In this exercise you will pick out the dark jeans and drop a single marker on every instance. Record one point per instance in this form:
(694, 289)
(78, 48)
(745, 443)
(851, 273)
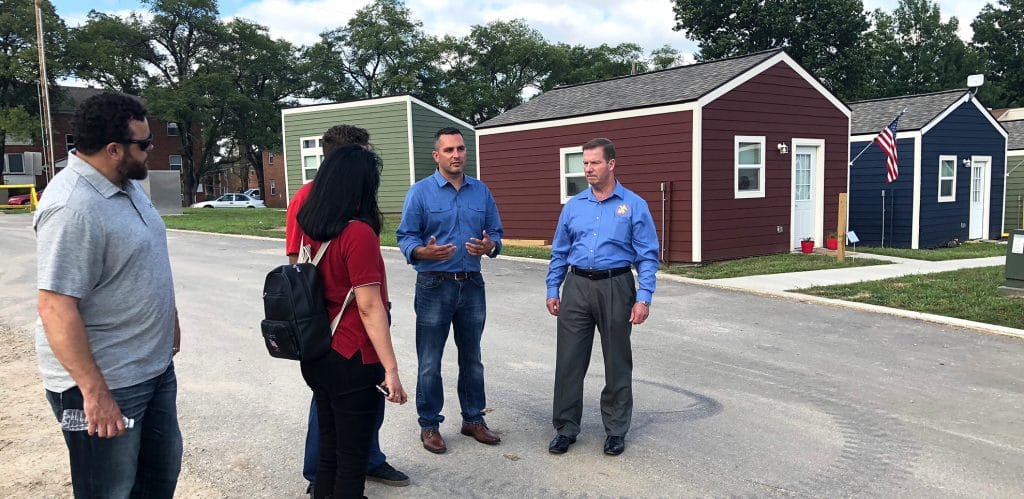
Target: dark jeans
(348, 407)
(312, 455)
(145, 461)
(444, 304)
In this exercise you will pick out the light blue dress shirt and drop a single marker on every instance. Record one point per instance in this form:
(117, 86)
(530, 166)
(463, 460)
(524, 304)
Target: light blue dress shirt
(601, 235)
(434, 208)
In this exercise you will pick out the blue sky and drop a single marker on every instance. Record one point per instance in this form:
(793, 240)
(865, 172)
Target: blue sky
(589, 22)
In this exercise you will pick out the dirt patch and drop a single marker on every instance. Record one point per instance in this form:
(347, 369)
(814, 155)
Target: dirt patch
(33, 458)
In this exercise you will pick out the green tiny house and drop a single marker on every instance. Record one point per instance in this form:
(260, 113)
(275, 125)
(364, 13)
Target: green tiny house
(1014, 217)
(401, 131)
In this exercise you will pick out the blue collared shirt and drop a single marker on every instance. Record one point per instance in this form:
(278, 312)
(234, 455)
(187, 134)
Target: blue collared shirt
(614, 233)
(434, 208)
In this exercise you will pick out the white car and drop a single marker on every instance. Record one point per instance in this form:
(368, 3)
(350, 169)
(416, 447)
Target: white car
(254, 193)
(233, 200)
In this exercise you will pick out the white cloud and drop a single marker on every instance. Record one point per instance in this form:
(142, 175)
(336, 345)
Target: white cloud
(297, 21)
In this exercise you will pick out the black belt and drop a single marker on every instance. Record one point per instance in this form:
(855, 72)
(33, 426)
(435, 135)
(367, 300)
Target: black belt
(455, 276)
(597, 275)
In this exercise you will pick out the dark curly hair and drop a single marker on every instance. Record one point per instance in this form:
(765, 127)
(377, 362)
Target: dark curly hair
(103, 118)
(343, 135)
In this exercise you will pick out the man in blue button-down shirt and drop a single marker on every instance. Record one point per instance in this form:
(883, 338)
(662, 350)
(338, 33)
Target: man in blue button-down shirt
(602, 232)
(449, 221)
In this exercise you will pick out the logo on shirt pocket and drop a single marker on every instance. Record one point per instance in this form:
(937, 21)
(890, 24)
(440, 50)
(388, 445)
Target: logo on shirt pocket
(622, 210)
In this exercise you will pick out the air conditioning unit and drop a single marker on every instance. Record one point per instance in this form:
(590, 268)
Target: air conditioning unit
(33, 162)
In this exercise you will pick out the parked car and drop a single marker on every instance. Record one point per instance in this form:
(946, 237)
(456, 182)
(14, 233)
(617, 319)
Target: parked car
(23, 199)
(231, 200)
(254, 193)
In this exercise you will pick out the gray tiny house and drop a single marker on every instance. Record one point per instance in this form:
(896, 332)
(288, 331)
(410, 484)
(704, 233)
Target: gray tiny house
(1014, 175)
(401, 131)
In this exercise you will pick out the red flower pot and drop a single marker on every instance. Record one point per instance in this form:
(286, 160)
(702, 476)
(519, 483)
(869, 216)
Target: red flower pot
(832, 243)
(807, 246)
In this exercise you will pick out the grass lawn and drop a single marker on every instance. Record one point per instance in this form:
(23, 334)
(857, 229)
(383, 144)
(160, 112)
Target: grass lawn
(270, 222)
(966, 250)
(966, 294)
(770, 264)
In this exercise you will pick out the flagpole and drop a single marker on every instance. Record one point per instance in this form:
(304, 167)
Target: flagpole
(883, 218)
(872, 142)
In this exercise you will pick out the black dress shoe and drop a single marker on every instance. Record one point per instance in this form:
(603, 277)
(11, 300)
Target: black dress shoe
(613, 446)
(560, 444)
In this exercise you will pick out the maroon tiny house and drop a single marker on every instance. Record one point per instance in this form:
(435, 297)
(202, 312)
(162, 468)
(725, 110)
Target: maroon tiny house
(772, 145)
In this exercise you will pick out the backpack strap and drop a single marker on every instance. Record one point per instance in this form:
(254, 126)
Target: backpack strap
(349, 298)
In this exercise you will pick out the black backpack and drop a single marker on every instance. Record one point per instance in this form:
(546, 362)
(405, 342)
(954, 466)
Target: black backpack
(296, 325)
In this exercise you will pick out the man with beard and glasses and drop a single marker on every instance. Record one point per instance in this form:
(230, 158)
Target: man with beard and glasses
(108, 324)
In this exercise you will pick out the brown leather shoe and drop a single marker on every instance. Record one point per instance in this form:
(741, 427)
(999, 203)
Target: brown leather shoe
(433, 441)
(481, 433)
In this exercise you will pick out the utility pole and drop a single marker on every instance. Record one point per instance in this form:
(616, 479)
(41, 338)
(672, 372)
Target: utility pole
(48, 156)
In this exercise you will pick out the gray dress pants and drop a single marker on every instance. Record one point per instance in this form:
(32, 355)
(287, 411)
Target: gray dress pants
(586, 304)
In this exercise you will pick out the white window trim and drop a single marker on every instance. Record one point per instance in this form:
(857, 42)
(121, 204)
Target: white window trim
(69, 144)
(938, 188)
(177, 129)
(7, 166)
(273, 188)
(561, 170)
(304, 152)
(170, 164)
(736, 167)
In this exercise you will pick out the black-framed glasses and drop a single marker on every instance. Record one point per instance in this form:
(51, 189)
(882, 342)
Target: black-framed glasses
(143, 144)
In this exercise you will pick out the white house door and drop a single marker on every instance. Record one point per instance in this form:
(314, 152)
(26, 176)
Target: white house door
(979, 169)
(804, 160)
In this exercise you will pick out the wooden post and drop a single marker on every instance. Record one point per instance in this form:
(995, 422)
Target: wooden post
(841, 228)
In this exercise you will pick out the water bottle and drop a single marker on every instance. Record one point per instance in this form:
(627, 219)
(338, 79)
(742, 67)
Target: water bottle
(74, 420)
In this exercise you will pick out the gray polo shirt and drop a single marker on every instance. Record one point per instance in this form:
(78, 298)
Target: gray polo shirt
(108, 248)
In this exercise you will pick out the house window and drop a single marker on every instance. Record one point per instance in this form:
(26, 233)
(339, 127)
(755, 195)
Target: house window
(172, 129)
(947, 179)
(312, 154)
(273, 188)
(271, 158)
(174, 161)
(69, 141)
(573, 179)
(749, 158)
(14, 163)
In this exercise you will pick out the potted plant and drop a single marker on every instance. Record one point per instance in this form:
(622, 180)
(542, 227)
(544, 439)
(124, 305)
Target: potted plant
(832, 241)
(807, 245)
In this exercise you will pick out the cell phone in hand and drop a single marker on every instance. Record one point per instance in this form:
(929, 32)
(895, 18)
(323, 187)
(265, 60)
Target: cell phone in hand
(383, 389)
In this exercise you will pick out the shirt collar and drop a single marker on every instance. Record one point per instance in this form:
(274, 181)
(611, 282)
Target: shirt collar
(93, 176)
(441, 181)
(619, 191)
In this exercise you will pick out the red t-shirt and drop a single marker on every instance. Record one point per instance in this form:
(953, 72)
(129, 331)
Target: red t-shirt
(292, 233)
(352, 260)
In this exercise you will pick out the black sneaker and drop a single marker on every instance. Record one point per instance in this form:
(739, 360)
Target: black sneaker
(388, 475)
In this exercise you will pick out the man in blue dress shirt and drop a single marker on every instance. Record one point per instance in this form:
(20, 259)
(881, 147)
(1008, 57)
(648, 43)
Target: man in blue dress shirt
(601, 233)
(449, 221)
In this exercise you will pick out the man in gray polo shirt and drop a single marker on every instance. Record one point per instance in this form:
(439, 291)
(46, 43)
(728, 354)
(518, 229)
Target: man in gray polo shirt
(108, 323)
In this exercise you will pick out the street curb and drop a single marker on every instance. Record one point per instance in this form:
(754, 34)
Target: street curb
(866, 307)
(787, 295)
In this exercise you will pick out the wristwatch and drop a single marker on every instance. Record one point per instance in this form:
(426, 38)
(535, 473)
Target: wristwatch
(646, 303)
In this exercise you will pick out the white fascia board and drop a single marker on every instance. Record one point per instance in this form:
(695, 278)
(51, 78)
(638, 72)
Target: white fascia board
(915, 223)
(696, 197)
(442, 113)
(479, 168)
(284, 159)
(967, 97)
(345, 105)
(578, 120)
(412, 151)
(762, 67)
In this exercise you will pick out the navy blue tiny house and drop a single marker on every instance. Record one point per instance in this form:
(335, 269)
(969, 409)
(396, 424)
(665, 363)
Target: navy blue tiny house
(952, 158)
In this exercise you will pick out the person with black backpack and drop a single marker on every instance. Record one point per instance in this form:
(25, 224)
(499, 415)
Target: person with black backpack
(349, 380)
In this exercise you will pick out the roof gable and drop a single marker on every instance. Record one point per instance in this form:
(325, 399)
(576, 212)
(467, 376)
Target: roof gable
(668, 86)
(872, 115)
(1015, 134)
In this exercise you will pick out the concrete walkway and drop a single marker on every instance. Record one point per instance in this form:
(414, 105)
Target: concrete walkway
(781, 285)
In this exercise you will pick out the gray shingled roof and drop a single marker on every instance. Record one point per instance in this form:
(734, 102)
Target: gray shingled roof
(871, 116)
(72, 97)
(1015, 131)
(669, 86)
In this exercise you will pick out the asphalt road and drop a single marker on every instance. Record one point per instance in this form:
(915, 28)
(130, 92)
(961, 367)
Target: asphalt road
(736, 394)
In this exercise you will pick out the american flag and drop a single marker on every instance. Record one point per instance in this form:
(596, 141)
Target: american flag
(887, 141)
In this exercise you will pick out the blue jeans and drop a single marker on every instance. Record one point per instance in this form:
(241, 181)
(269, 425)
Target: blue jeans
(444, 304)
(312, 456)
(145, 461)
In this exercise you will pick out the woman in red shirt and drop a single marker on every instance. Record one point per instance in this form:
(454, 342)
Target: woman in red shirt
(348, 381)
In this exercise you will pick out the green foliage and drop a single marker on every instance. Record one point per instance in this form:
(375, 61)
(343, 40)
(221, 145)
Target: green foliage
(914, 52)
(665, 57)
(966, 294)
(999, 36)
(968, 250)
(111, 51)
(823, 35)
(770, 264)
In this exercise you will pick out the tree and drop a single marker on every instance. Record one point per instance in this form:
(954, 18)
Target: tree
(665, 57)
(579, 64)
(19, 66)
(915, 52)
(111, 51)
(999, 35)
(825, 36)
